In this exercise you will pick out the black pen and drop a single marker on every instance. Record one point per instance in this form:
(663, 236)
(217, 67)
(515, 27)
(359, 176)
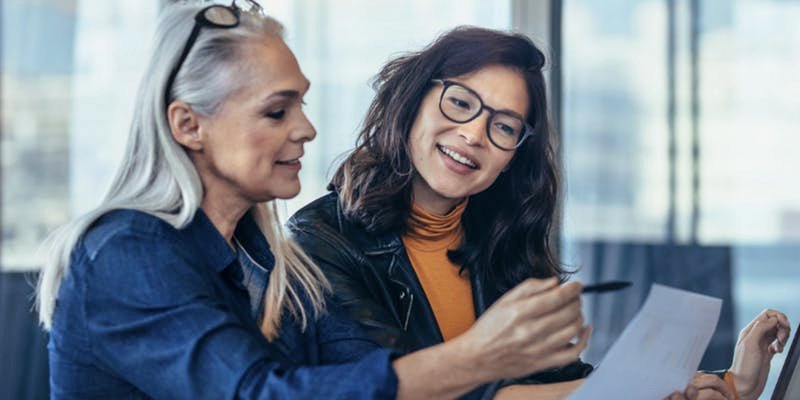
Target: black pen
(605, 287)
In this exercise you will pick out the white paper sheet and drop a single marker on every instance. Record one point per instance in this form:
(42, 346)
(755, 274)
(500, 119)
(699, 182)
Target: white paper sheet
(660, 349)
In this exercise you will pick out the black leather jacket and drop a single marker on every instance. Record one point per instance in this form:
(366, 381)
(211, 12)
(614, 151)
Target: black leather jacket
(374, 281)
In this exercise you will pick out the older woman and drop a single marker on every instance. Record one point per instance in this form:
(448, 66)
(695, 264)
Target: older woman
(181, 284)
(448, 202)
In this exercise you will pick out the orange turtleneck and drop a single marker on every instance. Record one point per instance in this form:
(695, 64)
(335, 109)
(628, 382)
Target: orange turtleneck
(448, 292)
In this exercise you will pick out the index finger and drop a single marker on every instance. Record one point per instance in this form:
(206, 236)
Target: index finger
(552, 300)
(528, 288)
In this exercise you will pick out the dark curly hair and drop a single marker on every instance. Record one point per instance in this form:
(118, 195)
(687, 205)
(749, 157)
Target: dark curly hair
(507, 227)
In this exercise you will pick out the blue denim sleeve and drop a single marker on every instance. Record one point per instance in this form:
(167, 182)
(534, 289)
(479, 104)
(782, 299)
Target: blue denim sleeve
(155, 319)
(341, 339)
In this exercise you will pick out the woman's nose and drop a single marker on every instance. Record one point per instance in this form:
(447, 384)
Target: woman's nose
(305, 131)
(474, 132)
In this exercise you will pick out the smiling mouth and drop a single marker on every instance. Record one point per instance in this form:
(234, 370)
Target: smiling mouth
(456, 157)
(288, 162)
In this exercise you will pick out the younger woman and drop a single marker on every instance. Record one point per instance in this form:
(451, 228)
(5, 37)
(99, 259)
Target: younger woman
(449, 201)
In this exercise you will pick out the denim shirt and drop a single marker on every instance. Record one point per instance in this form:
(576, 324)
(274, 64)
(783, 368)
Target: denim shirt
(147, 310)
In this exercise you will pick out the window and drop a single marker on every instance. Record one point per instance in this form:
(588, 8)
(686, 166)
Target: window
(68, 74)
(716, 82)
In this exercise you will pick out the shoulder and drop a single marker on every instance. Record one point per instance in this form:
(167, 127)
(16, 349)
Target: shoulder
(124, 243)
(322, 212)
(327, 237)
(322, 222)
(317, 227)
(139, 256)
(118, 225)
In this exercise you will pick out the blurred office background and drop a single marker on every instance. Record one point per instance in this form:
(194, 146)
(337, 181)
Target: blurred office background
(678, 120)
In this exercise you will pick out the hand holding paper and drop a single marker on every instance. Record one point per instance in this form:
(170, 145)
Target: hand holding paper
(659, 351)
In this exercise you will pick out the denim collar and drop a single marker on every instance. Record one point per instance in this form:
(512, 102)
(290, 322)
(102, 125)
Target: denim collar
(215, 249)
(250, 236)
(209, 241)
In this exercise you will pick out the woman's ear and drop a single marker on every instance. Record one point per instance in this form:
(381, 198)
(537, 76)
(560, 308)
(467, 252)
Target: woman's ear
(184, 125)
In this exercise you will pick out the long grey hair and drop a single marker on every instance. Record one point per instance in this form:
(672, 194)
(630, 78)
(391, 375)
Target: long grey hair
(157, 177)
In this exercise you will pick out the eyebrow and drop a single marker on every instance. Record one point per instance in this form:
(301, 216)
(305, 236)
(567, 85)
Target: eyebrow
(502, 110)
(281, 94)
(512, 113)
(286, 94)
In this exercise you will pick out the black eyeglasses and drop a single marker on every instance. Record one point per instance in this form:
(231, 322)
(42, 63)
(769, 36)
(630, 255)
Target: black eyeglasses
(215, 16)
(461, 104)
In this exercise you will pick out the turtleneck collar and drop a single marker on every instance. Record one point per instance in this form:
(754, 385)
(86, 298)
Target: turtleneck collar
(429, 231)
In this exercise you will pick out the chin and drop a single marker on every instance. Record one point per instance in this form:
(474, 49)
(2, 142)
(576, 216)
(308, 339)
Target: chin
(287, 192)
(284, 191)
(450, 191)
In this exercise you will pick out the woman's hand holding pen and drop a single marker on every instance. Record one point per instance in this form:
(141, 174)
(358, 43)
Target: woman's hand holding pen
(531, 328)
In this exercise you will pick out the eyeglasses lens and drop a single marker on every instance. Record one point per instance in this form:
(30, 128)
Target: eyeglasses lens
(460, 104)
(505, 130)
(221, 16)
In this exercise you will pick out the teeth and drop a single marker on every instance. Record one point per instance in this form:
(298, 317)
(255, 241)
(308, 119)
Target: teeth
(295, 161)
(457, 157)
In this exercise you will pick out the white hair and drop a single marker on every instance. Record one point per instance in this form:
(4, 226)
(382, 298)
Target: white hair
(156, 175)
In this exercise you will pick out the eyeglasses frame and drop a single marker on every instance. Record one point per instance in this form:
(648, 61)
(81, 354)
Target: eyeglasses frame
(528, 130)
(201, 21)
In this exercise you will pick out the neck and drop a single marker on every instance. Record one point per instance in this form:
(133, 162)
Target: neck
(425, 197)
(225, 213)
